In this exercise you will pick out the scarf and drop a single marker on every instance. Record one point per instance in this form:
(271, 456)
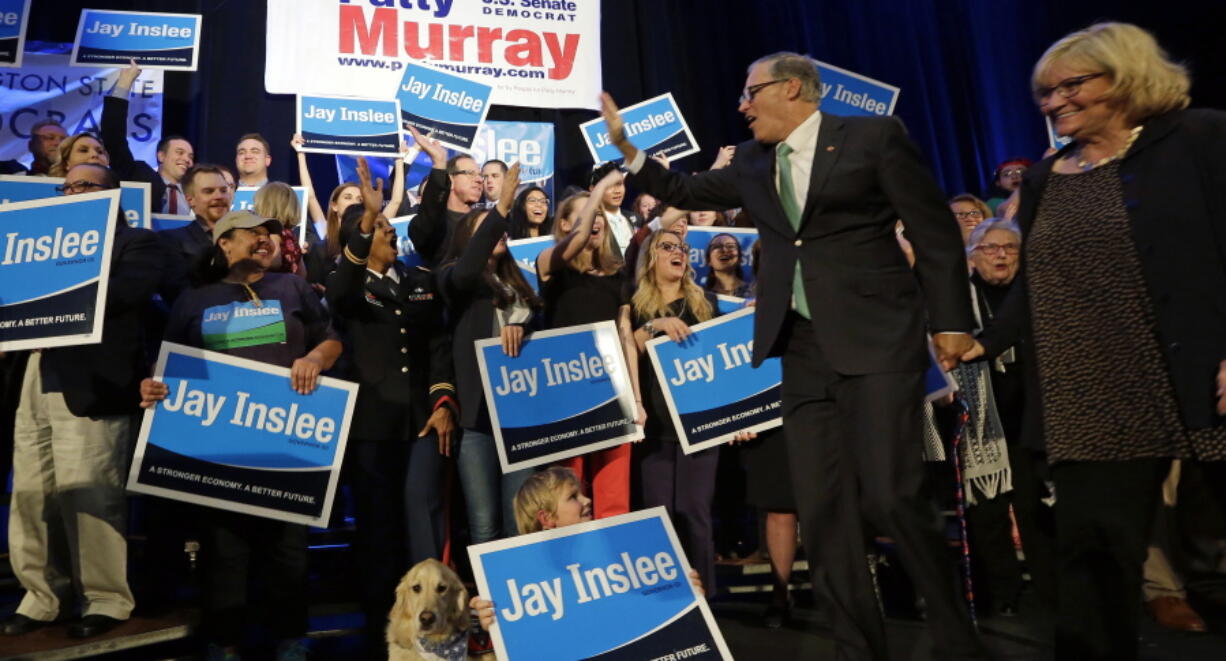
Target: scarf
(451, 649)
(985, 457)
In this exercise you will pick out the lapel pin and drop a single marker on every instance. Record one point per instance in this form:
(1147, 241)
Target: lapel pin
(830, 148)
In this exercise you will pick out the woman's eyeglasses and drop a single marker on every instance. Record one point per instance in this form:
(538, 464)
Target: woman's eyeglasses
(670, 247)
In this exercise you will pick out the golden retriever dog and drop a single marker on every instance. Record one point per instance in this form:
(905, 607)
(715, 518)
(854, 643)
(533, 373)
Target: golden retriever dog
(430, 620)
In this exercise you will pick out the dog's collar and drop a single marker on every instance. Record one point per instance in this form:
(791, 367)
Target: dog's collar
(452, 649)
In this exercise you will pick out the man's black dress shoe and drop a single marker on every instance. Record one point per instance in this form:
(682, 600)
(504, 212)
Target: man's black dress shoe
(93, 625)
(19, 624)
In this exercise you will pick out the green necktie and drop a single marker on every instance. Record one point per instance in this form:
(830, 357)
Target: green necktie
(787, 195)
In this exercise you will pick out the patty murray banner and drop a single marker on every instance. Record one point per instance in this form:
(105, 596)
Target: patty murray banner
(535, 53)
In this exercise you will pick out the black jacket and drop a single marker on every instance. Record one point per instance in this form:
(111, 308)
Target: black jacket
(401, 350)
(868, 306)
(123, 163)
(1174, 183)
(104, 379)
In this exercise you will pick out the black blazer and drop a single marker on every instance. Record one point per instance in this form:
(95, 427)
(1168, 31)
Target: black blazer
(123, 163)
(470, 307)
(1174, 184)
(401, 348)
(104, 379)
(868, 307)
(428, 231)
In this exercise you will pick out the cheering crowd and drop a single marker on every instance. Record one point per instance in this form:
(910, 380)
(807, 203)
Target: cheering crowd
(1081, 310)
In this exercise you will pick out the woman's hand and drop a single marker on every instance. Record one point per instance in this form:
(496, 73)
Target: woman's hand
(372, 197)
(510, 181)
(743, 437)
(696, 581)
(304, 374)
(438, 154)
(512, 339)
(678, 331)
(640, 415)
(127, 76)
(485, 611)
(977, 351)
(723, 158)
(661, 158)
(441, 423)
(152, 391)
(297, 142)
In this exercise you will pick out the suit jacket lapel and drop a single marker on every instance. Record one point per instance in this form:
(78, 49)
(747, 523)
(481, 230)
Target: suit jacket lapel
(829, 146)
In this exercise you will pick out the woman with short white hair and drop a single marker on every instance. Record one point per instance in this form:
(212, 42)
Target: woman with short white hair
(1123, 283)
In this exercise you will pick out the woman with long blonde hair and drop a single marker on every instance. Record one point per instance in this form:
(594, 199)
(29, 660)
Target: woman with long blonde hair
(78, 149)
(667, 301)
(583, 283)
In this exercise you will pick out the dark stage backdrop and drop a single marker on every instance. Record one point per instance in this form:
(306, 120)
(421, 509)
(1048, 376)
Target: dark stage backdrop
(963, 66)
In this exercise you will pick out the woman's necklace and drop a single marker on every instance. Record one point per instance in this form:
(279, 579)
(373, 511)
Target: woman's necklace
(1085, 165)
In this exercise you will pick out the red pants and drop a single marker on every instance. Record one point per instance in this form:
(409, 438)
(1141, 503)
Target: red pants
(608, 471)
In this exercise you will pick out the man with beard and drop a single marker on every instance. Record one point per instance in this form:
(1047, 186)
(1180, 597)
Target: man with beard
(210, 198)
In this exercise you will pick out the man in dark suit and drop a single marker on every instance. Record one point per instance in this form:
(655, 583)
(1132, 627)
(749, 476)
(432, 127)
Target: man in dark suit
(837, 300)
(75, 421)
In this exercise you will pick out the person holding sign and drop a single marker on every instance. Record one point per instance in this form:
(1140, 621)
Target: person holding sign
(70, 444)
(486, 296)
(667, 301)
(243, 310)
(839, 304)
(405, 414)
(174, 152)
(324, 225)
(581, 278)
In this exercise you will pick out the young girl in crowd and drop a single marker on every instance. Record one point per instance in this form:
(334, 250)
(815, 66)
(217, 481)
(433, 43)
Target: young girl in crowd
(667, 301)
(234, 275)
(582, 281)
(278, 201)
(486, 296)
(530, 216)
(724, 258)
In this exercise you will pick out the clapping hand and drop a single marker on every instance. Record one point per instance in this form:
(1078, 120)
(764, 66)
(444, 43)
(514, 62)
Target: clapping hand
(510, 182)
(438, 154)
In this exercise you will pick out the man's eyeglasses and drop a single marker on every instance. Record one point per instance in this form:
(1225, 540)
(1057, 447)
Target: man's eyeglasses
(72, 188)
(998, 248)
(670, 247)
(1067, 88)
(962, 215)
(750, 92)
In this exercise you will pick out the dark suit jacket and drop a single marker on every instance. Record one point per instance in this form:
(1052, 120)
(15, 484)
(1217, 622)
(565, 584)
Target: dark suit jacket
(429, 231)
(401, 347)
(123, 163)
(1174, 184)
(104, 379)
(868, 307)
(12, 167)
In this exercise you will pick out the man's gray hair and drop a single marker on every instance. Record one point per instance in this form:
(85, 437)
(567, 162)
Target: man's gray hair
(785, 64)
